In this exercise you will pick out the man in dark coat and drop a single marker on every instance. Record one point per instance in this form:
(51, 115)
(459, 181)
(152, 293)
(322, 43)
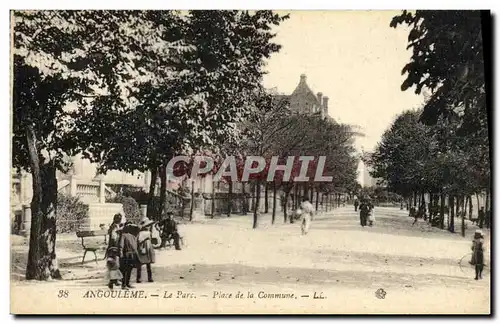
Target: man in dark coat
(356, 204)
(169, 231)
(364, 210)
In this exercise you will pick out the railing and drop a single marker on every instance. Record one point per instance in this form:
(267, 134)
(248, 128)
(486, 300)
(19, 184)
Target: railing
(88, 192)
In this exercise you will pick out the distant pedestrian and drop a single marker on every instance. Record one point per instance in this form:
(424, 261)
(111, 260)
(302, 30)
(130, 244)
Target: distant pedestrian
(356, 204)
(478, 254)
(307, 215)
(364, 211)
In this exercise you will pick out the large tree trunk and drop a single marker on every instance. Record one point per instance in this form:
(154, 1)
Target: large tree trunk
(213, 199)
(192, 202)
(431, 207)
(317, 199)
(470, 207)
(441, 211)
(306, 190)
(252, 186)
(266, 201)
(245, 200)
(451, 216)
(230, 198)
(478, 207)
(42, 261)
(275, 189)
(151, 194)
(285, 204)
(487, 202)
(256, 207)
(163, 190)
(422, 203)
(463, 216)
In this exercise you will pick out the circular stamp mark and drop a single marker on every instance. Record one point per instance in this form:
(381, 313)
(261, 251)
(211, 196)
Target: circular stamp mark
(380, 293)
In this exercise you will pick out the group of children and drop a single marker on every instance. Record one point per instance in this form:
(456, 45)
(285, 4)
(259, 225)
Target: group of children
(129, 247)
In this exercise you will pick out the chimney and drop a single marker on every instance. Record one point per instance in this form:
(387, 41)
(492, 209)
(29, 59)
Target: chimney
(320, 96)
(325, 106)
(303, 78)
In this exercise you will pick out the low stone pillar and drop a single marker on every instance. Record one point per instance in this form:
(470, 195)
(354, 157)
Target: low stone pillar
(144, 210)
(73, 186)
(199, 207)
(102, 191)
(26, 227)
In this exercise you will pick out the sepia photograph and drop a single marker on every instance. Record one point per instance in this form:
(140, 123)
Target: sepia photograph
(310, 162)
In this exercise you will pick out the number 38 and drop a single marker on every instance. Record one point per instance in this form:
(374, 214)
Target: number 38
(63, 294)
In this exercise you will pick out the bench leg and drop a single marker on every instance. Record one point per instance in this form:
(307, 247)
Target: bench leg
(95, 257)
(84, 254)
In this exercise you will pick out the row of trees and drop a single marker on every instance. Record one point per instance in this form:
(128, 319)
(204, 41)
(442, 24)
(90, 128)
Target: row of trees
(129, 90)
(443, 148)
(272, 130)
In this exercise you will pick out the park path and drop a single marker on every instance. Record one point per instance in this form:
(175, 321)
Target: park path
(417, 266)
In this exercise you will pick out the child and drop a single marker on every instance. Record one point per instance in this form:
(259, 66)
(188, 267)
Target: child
(478, 253)
(145, 248)
(114, 274)
(128, 252)
(371, 217)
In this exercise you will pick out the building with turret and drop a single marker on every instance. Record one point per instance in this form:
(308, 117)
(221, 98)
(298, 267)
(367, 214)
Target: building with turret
(304, 101)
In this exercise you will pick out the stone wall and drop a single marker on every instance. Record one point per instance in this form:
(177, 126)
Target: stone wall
(100, 214)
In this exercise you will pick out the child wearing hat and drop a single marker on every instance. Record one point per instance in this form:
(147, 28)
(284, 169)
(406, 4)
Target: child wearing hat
(112, 263)
(145, 249)
(128, 252)
(478, 253)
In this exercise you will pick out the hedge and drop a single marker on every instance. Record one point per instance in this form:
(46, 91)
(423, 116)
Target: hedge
(71, 213)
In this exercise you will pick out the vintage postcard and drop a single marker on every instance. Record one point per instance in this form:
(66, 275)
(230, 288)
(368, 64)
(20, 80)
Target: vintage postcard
(250, 162)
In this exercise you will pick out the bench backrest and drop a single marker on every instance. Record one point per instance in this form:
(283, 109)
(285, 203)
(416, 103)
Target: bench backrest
(90, 233)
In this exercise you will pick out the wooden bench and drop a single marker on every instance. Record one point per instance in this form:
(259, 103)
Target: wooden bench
(170, 241)
(93, 248)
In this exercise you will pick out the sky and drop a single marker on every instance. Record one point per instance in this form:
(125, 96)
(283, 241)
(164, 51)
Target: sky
(354, 58)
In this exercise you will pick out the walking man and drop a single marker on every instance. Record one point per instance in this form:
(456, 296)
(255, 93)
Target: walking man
(307, 214)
